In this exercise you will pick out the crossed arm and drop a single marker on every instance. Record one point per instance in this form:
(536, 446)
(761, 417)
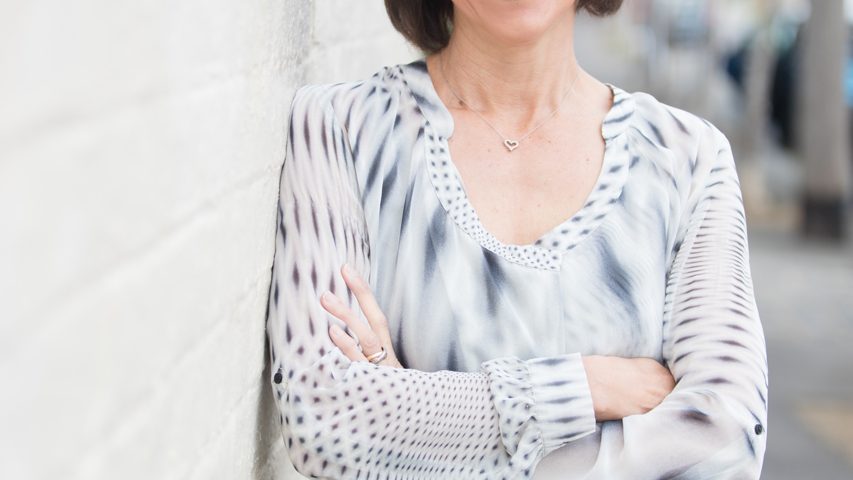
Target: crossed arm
(342, 417)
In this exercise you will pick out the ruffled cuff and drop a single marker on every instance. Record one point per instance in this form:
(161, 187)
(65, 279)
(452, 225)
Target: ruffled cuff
(563, 402)
(541, 401)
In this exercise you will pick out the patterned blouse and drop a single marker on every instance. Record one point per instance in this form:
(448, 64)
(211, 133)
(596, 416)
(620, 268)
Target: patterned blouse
(655, 264)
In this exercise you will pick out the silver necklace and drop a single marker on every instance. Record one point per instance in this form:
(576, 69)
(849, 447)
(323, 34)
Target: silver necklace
(509, 143)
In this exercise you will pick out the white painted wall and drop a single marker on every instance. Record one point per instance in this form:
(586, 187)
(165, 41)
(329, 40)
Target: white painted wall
(140, 148)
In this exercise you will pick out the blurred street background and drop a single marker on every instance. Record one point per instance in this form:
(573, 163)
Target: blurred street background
(777, 77)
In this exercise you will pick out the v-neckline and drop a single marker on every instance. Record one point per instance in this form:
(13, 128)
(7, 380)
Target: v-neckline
(545, 252)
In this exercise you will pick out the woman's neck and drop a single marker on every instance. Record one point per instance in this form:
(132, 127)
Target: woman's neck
(527, 80)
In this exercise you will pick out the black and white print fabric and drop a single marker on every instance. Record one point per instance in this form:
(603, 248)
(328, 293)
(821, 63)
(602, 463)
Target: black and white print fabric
(655, 264)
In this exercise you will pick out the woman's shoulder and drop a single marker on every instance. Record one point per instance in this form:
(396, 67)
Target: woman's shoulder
(376, 88)
(671, 127)
(685, 147)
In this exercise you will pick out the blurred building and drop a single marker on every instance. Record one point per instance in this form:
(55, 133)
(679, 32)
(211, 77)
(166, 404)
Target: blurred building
(742, 65)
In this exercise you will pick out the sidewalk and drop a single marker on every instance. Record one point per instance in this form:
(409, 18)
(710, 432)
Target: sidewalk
(804, 290)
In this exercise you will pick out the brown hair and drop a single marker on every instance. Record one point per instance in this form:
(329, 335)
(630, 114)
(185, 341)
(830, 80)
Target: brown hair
(427, 23)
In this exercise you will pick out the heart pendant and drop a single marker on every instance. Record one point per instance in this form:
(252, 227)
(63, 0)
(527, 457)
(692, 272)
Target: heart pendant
(511, 144)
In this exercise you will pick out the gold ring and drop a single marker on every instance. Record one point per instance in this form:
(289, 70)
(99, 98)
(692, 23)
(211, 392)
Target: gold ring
(378, 356)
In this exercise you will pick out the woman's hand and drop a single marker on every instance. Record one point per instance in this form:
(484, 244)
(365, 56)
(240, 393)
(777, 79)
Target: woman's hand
(626, 386)
(370, 337)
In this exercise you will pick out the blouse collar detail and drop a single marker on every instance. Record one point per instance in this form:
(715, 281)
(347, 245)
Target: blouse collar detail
(547, 251)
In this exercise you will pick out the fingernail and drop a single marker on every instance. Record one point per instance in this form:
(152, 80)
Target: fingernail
(353, 275)
(327, 296)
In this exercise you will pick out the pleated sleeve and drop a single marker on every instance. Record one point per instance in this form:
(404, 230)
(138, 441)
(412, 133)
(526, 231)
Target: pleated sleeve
(714, 423)
(342, 419)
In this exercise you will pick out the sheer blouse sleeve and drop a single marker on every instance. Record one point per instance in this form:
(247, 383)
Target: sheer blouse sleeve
(713, 423)
(342, 419)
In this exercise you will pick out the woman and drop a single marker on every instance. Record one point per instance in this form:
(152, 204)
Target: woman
(581, 308)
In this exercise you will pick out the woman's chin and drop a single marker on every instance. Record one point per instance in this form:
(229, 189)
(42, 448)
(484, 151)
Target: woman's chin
(518, 22)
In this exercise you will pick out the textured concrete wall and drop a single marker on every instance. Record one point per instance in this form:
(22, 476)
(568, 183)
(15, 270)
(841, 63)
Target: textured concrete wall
(140, 148)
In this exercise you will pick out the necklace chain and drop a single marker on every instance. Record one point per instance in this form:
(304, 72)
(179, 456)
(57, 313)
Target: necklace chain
(509, 143)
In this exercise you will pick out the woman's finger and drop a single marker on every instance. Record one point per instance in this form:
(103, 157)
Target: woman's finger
(367, 338)
(346, 343)
(375, 317)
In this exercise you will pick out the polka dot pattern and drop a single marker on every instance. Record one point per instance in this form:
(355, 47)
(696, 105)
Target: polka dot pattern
(546, 252)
